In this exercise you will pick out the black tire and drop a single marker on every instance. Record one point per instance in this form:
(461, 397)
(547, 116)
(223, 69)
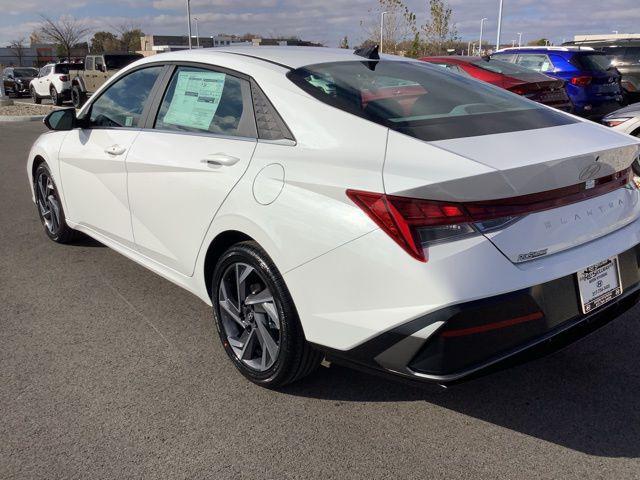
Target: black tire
(78, 97)
(296, 358)
(56, 98)
(57, 230)
(34, 96)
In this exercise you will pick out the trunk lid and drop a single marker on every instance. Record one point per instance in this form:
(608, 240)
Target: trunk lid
(501, 166)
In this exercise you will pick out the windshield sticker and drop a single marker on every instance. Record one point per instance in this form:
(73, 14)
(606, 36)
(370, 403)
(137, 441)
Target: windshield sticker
(195, 99)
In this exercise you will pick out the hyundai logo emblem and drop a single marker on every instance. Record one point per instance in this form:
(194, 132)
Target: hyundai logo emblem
(590, 171)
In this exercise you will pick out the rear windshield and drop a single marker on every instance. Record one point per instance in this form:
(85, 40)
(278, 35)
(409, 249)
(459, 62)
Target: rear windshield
(421, 100)
(25, 72)
(598, 62)
(624, 54)
(115, 62)
(62, 68)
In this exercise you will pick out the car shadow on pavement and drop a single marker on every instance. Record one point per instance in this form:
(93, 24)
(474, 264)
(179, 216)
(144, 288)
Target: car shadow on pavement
(586, 397)
(83, 240)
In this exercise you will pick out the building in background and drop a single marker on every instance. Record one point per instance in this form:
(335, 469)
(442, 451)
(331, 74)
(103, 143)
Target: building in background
(606, 36)
(152, 44)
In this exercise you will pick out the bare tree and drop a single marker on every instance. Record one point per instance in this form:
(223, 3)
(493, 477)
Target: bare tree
(399, 24)
(65, 32)
(17, 49)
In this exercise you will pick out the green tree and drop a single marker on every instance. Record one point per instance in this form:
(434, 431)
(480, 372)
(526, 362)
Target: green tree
(130, 39)
(540, 42)
(104, 42)
(439, 30)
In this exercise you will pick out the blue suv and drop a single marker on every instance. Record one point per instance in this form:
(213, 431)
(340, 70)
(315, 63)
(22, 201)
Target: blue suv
(592, 83)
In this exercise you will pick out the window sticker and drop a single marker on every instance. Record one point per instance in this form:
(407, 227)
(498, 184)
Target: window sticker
(195, 99)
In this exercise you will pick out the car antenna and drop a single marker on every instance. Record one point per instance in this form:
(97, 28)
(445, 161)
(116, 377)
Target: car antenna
(371, 53)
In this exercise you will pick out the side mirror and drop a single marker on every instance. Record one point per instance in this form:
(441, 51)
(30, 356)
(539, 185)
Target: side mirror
(9, 76)
(64, 119)
(103, 68)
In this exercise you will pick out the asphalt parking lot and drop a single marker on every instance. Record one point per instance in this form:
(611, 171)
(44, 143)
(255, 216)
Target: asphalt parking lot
(109, 371)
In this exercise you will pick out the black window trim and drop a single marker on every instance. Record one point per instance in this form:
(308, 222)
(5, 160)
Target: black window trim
(150, 112)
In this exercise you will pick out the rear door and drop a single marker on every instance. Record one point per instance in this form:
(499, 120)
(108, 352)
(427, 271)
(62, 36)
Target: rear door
(92, 159)
(182, 167)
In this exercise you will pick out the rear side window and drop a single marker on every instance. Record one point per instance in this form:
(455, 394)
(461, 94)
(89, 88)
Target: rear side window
(537, 62)
(122, 103)
(421, 100)
(597, 62)
(88, 63)
(201, 100)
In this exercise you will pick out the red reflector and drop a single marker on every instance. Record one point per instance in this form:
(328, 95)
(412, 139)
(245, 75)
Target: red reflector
(581, 81)
(63, 78)
(462, 332)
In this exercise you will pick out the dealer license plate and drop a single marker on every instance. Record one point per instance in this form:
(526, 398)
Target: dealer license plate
(599, 284)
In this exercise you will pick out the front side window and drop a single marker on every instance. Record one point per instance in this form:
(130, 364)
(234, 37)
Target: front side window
(423, 101)
(122, 103)
(89, 63)
(99, 63)
(200, 100)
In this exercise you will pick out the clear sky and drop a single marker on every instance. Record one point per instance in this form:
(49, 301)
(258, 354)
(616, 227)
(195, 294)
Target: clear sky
(325, 20)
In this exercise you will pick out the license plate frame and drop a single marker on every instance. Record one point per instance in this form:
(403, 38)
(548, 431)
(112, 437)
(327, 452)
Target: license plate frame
(599, 284)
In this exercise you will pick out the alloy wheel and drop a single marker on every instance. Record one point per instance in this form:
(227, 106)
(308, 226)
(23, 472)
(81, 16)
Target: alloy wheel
(249, 316)
(48, 202)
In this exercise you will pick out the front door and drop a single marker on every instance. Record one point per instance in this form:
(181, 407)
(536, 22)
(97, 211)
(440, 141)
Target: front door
(92, 159)
(181, 170)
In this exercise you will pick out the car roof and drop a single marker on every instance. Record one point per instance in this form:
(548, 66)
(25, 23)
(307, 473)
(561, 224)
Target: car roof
(283, 56)
(566, 50)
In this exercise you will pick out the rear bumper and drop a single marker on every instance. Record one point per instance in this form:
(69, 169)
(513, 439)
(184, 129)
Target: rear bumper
(533, 322)
(597, 109)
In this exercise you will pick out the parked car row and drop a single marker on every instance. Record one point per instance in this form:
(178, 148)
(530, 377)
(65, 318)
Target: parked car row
(65, 81)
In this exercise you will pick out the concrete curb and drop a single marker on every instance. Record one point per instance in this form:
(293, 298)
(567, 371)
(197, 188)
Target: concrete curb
(21, 118)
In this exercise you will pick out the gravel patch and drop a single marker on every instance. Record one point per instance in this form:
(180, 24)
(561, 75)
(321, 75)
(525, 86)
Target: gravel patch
(22, 109)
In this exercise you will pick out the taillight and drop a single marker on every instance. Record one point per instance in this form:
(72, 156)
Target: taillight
(63, 78)
(581, 81)
(416, 224)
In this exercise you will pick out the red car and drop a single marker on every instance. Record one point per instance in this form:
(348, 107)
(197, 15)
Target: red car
(523, 81)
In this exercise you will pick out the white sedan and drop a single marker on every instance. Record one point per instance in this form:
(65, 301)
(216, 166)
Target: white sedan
(333, 204)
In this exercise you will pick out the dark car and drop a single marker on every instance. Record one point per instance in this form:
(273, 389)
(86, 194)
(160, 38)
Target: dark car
(625, 56)
(592, 83)
(16, 80)
(523, 81)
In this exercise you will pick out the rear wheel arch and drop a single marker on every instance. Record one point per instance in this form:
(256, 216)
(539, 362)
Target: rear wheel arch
(220, 244)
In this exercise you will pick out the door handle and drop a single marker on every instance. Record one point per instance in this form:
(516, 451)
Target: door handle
(115, 150)
(220, 160)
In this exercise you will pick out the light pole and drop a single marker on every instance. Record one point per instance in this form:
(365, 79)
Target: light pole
(189, 20)
(469, 48)
(481, 31)
(499, 25)
(381, 28)
(195, 19)
(519, 39)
